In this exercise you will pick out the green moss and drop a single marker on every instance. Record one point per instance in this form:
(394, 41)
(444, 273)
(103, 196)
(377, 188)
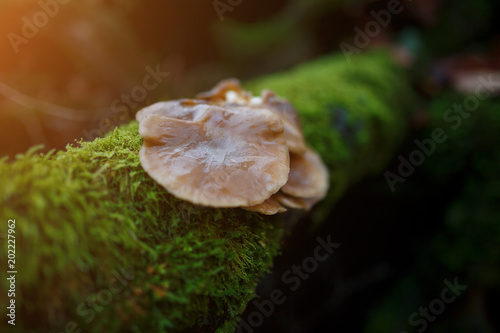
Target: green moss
(92, 210)
(85, 214)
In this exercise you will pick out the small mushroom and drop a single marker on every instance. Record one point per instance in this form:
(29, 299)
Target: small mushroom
(214, 156)
(227, 88)
(296, 202)
(308, 176)
(269, 207)
(290, 201)
(293, 130)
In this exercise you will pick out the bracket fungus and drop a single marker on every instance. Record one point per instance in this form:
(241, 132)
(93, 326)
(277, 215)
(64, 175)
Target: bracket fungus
(229, 149)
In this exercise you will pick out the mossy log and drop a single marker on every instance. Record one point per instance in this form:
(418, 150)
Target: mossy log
(100, 247)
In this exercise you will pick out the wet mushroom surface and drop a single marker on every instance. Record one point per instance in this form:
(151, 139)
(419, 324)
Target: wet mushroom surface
(227, 148)
(224, 158)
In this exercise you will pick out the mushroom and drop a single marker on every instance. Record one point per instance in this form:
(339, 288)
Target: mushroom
(229, 149)
(308, 176)
(185, 109)
(307, 182)
(212, 155)
(269, 207)
(293, 130)
(226, 91)
(290, 201)
(229, 92)
(296, 202)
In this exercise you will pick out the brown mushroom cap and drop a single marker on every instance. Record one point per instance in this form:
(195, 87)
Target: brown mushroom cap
(186, 109)
(295, 202)
(290, 201)
(308, 176)
(221, 158)
(269, 207)
(230, 92)
(229, 149)
(218, 93)
(293, 130)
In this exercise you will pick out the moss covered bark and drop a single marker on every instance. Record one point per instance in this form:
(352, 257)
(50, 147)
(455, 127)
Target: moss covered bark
(89, 214)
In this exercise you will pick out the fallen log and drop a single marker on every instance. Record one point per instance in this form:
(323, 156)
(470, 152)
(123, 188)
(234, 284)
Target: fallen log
(100, 247)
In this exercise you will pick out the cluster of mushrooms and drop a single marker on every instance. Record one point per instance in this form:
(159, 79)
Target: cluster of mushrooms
(228, 149)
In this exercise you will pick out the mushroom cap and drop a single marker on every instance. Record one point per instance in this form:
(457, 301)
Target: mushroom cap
(270, 206)
(295, 202)
(293, 129)
(221, 158)
(186, 109)
(290, 201)
(229, 92)
(219, 92)
(308, 176)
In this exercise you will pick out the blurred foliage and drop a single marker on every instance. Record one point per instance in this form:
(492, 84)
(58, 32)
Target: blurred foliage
(63, 81)
(467, 243)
